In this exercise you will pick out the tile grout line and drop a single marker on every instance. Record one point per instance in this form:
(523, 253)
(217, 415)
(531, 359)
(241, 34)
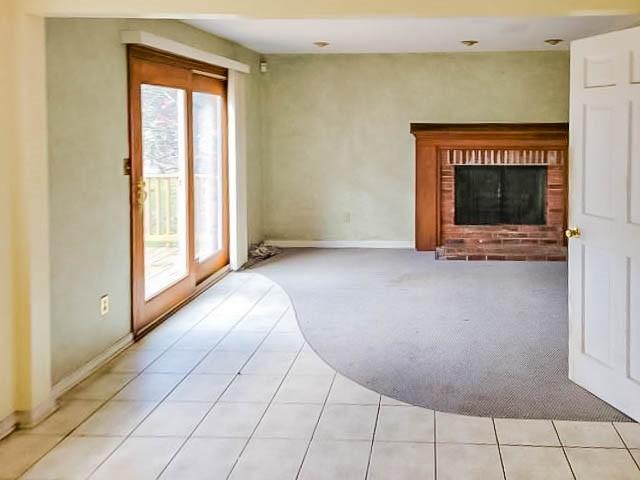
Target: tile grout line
(625, 445)
(495, 432)
(108, 399)
(315, 427)
(188, 437)
(509, 444)
(537, 445)
(159, 402)
(564, 451)
(235, 463)
(373, 438)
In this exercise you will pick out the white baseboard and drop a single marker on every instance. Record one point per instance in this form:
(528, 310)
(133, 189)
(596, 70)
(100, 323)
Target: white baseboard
(88, 368)
(31, 418)
(341, 243)
(8, 424)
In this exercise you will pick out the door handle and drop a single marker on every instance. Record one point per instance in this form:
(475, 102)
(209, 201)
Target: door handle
(141, 192)
(572, 232)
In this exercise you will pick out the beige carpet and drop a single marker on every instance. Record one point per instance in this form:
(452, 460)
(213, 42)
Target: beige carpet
(476, 338)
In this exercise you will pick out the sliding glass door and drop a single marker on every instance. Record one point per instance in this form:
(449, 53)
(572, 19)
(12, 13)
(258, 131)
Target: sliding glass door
(178, 178)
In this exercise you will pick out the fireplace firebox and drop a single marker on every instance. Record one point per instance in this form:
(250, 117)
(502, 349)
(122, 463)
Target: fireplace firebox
(500, 195)
(491, 191)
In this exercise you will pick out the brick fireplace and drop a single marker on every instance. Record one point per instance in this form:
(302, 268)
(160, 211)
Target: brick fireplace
(491, 191)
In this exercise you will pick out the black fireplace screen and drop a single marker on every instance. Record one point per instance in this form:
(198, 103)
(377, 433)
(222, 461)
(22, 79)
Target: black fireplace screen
(489, 195)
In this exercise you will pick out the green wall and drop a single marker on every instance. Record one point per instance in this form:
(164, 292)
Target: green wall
(338, 155)
(87, 100)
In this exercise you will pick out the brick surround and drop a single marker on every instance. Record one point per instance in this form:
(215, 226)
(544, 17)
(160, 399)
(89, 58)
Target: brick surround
(503, 242)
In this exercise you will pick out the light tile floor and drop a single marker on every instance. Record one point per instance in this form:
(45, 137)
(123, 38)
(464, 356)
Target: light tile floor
(228, 389)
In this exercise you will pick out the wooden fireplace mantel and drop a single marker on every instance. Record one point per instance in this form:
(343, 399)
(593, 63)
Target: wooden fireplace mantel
(433, 138)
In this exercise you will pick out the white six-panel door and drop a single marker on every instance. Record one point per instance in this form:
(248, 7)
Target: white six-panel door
(604, 261)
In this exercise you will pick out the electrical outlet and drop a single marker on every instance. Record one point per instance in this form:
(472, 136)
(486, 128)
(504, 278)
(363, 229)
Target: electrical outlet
(104, 305)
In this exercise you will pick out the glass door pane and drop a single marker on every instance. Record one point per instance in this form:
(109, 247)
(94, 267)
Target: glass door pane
(208, 187)
(164, 191)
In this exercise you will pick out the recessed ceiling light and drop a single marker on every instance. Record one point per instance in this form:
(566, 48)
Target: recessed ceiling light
(469, 43)
(553, 41)
(321, 44)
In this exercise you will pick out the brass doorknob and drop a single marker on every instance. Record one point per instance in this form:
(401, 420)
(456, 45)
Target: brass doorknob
(572, 232)
(141, 192)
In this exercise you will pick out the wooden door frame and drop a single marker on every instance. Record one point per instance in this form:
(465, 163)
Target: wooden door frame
(182, 70)
(433, 137)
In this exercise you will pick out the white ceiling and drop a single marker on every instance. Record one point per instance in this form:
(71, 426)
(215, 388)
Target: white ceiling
(404, 35)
